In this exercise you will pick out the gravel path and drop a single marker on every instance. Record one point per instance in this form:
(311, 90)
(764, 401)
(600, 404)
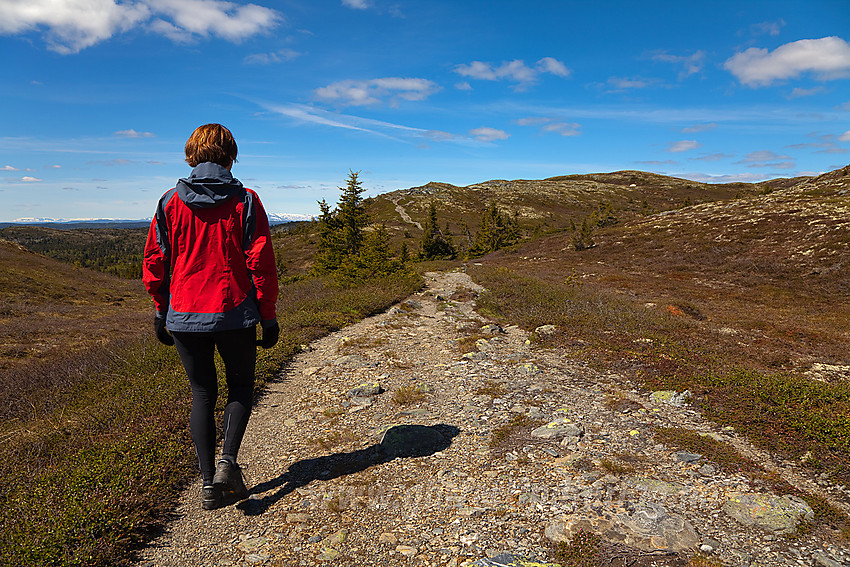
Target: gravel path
(464, 457)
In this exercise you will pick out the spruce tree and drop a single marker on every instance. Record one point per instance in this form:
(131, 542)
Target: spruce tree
(435, 243)
(341, 229)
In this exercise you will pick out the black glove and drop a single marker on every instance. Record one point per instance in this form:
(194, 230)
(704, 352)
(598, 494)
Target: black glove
(161, 332)
(271, 332)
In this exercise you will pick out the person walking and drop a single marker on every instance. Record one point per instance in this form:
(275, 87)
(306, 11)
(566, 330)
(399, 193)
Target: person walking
(209, 266)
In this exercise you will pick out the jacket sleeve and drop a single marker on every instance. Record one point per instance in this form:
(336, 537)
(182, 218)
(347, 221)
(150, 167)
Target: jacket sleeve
(259, 258)
(156, 264)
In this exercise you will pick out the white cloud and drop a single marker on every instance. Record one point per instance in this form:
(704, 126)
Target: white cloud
(682, 146)
(230, 21)
(552, 65)
(28, 179)
(699, 128)
(464, 86)
(487, 134)
(9, 168)
(356, 4)
(72, 25)
(274, 57)
(691, 64)
(133, 134)
(845, 137)
(827, 58)
(516, 71)
(359, 93)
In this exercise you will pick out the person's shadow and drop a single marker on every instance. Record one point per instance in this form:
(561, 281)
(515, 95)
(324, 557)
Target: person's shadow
(400, 441)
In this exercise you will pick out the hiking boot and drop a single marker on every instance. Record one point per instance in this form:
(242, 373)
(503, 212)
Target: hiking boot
(228, 479)
(211, 497)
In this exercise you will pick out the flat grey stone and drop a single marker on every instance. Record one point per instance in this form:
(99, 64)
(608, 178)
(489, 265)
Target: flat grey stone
(644, 525)
(686, 457)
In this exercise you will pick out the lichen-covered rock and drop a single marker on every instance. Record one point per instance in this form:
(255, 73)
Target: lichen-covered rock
(545, 330)
(646, 526)
(558, 429)
(670, 397)
(365, 390)
(777, 514)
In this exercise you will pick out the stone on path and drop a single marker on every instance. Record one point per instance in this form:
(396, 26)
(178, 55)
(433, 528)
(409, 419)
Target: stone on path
(670, 397)
(365, 390)
(412, 441)
(780, 515)
(645, 525)
(558, 429)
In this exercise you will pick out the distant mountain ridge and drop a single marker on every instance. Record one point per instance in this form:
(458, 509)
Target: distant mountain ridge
(274, 218)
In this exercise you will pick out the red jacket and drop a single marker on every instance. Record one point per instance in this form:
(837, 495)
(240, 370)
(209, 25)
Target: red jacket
(209, 263)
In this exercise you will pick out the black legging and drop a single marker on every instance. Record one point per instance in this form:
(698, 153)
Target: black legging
(239, 353)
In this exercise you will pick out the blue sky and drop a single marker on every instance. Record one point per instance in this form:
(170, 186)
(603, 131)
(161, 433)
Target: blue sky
(98, 97)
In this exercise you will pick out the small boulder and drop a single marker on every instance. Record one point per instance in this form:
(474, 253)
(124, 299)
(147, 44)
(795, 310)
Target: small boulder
(365, 390)
(558, 429)
(780, 515)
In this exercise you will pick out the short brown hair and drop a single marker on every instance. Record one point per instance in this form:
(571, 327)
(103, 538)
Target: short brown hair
(211, 142)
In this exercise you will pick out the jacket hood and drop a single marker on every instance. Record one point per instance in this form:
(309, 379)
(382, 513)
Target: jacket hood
(208, 185)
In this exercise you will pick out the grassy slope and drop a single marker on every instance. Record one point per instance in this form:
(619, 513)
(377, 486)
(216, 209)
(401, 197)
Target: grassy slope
(737, 300)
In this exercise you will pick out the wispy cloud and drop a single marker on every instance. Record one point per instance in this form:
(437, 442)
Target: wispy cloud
(112, 162)
(9, 168)
(487, 134)
(73, 25)
(658, 162)
(357, 4)
(552, 125)
(799, 93)
(827, 58)
(375, 91)
(311, 115)
(620, 84)
(845, 137)
(767, 28)
(699, 128)
(515, 71)
(690, 64)
(682, 146)
(767, 159)
(133, 134)
(28, 179)
(729, 178)
(712, 157)
(278, 56)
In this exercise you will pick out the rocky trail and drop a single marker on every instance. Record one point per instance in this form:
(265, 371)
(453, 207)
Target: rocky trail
(386, 444)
